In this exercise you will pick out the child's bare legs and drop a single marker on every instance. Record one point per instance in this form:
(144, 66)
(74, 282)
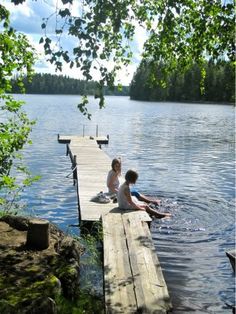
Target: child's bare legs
(148, 200)
(153, 212)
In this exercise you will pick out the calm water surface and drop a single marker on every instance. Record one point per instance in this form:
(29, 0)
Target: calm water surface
(184, 154)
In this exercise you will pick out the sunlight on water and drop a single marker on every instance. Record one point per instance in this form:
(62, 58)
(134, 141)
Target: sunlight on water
(184, 154)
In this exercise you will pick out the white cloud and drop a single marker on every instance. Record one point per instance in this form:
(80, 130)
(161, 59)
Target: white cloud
(28, 17)
(23, 9)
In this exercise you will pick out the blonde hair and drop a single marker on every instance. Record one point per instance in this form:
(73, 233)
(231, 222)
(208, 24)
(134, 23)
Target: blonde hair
(114, 162)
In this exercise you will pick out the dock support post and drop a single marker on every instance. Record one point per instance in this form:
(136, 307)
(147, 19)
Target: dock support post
(74, 169)
(75, 180)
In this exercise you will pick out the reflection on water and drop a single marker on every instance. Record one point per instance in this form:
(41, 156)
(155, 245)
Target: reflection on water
(184, 154)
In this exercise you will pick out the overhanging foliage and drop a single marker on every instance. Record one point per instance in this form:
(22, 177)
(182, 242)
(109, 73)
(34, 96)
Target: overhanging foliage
(16, 56)
(179, 33)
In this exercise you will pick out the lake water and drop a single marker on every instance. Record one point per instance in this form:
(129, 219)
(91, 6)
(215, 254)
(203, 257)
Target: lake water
(184, 154)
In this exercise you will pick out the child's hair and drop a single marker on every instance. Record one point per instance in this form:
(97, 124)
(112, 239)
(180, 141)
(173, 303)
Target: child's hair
(131, 176)
(114, 162)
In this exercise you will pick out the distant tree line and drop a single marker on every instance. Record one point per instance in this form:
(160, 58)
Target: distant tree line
(218, 85)
(60, 84)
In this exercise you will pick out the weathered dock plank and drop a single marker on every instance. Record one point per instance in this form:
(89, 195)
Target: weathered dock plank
(119, 290)
(150, 287)
(131, 263)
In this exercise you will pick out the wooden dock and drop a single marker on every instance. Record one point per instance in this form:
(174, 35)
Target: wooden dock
(134, 282)
(91, 166)
(133, 278)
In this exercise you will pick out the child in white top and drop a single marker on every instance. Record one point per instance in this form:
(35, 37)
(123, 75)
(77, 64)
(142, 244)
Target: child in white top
(113, 176)
(113, 183)
(126, 201)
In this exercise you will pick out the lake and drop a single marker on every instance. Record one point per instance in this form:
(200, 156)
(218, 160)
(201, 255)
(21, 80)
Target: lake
(184, 154)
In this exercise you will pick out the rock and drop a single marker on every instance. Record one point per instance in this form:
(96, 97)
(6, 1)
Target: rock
(30, 279)
(43, 305)
(69, 248)
(16, 222)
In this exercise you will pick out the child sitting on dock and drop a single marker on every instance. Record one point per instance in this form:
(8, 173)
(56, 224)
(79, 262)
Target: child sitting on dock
(125, 200)
(113, 183)
(113, 176)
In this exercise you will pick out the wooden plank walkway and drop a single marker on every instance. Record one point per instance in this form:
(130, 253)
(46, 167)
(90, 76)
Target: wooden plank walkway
(133, 278)
(134, 282)
(92, 166)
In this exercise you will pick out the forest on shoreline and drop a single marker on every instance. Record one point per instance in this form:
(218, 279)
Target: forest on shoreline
(218, 85)
(63, 85)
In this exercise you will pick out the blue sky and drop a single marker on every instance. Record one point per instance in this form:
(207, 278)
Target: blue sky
(28, 17)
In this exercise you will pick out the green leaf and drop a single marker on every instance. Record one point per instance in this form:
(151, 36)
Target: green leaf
(67, 1)
(64, 13)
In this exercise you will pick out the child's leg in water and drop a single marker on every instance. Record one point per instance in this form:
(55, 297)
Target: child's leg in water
(155, 213)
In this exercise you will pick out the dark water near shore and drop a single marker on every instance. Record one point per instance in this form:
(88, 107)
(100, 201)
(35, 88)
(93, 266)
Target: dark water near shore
(184, 154)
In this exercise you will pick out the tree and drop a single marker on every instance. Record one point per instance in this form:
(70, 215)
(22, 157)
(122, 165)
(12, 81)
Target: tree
(16, 56)
(218, 84)
(179, 34)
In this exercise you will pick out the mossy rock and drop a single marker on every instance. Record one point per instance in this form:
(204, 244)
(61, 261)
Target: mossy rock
(31, 280)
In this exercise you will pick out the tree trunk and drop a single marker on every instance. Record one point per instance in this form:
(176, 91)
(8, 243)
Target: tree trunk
(38, 234)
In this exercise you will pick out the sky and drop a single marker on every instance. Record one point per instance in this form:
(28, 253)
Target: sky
(28, 17)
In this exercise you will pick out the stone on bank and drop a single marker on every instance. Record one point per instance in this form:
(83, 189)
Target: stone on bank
(32, 278)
